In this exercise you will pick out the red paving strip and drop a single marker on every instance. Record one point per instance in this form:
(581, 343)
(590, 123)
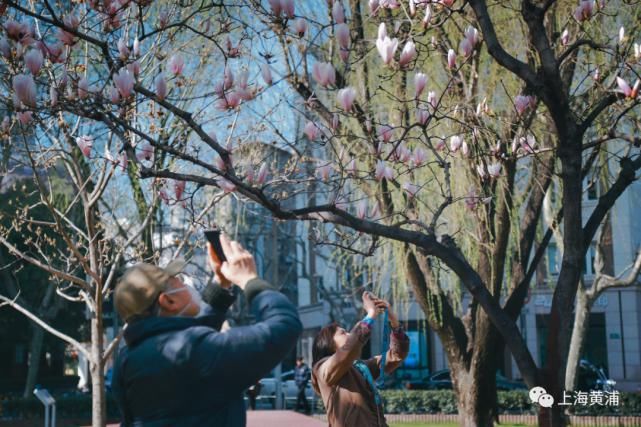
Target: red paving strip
(281, 418)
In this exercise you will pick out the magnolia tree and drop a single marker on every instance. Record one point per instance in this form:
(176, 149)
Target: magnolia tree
(438, 126)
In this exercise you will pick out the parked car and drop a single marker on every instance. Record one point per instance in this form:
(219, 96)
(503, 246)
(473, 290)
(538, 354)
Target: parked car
(289, 391)
(441, 380)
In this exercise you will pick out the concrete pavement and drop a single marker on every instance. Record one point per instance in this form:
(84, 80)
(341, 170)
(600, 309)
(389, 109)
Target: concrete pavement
(281, 418)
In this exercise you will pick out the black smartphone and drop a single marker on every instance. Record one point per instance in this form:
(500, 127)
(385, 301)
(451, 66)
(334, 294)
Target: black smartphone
(213, 237)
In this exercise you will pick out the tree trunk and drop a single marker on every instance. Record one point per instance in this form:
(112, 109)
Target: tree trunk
(475, 396)
(99, 406)
(581, 323)
(35, 350)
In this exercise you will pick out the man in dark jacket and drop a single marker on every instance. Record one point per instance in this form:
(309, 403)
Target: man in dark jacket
(302, 373)
(177, 368)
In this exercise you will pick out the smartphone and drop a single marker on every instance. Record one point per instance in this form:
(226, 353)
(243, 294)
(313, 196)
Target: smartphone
(213, 237)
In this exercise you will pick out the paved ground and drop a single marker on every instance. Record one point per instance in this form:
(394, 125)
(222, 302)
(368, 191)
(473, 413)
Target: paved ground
(281, 418)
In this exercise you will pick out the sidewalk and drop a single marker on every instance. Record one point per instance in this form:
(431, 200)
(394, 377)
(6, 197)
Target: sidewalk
(281, 418)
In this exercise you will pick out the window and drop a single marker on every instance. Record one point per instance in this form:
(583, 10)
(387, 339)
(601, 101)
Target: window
(588, 267)
(553, 262)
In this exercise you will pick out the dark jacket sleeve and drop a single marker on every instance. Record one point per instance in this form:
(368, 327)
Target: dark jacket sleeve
(118, 390)
(240, 356)
(332, 370)
(220, 299)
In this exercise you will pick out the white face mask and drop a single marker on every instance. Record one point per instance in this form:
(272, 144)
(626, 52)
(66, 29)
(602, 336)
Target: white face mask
(195, 298)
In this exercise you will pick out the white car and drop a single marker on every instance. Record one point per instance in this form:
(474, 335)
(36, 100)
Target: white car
(289, 390)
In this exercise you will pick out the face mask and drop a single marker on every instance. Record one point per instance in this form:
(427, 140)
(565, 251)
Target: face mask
(195, 298)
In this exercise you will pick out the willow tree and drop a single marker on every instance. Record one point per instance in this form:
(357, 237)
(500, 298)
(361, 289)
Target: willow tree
(439, 126)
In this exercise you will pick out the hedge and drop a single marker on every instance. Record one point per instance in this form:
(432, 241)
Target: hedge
(396, 402)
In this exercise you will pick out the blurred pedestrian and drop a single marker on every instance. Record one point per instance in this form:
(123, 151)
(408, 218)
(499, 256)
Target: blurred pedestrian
(302, 375)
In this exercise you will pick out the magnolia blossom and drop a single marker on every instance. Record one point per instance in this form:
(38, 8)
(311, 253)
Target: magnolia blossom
(523, 102)
(161, 86)
(163, 18)
(146, 152)
(637, 51)
(300, 26)
(114, 95)
(229, 100)
(34, 60)
(407, 54)
(266, 72)
(390, 4)
(466, 47)
(527, 143)
(179, 189)
(124, 82)
(134, 68)
(338, 13)
(451, 59)
(584, 10)
(228, 78)
(494, 170)
(422, 115)
(312, 131)
(624, 87)
(447, 3)
(565, 37)
(5, 48)
(420, 81)
(24, 117)
(428, 16)
(351, 167)
(411, 189)
(383, 171)
(176, 64)
(346, 98)
(343, 36)
(431, 99)
(324, 73)
(419, 156)
(85, 143)
(472, 199)
(25, 89)
(385, 133)
(386, 46)
(53, 96)
(455, 143)
(288, 8)
(324, 172)
(136, 47)
(472, 34)
(83, 88)
(261, 177)
(123, 50)
(219, 163)
(336, 121)
(621, 34)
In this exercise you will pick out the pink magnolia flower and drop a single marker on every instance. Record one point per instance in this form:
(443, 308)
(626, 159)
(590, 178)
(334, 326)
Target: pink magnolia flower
(219, 163)
(465, 149)
(343, 36)
(56, 52)
(34, 60)
(262, 174)
(85, 143)
(176, 64)
(161, 86)
(411, 189)
(229, 100)
(373, 7)
(472, 34)
(466, 48)
(584, 10)
(300, 26)
(5, 48)
(146, 152)
(324, 172)
(407, 54)
(324, 73)
(528, 143)
(232, 51)
(523, 102)
(494, 170)
(114, 95)
(422, 115)
(383, 171)
(386, 46)
(471, 200)
(637, 51)
(351, 167)
(123, 49)
(447, 3)
(124, 82)
(565, 37)
(83, 88)
(66, 38)
(390, 4)
(312, 131)
(162, 193)
(431, 99)
(624, 87)
(346, 98)
(361, 209)
(451, 59)
(288, 7)
(336, 121)
(338, 13)
(428, 16)
(420, 81)
(404, 154)
(136, 47)
(276, 7)
(179, 189)
(482, 171)
(25, 89)
(134, 68)
(266, 73)
(163, 18)
(344, 54)
(24, 117)
(455, 143)
(385, 133)
(419, 157)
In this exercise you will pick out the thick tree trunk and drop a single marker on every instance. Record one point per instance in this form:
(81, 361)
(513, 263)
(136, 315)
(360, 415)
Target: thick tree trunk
(99, 406)
(35, 351)
(475, 395)
(581, 323)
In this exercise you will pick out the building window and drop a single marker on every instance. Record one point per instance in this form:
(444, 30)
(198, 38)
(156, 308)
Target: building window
(553, 261)
(588, 267)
